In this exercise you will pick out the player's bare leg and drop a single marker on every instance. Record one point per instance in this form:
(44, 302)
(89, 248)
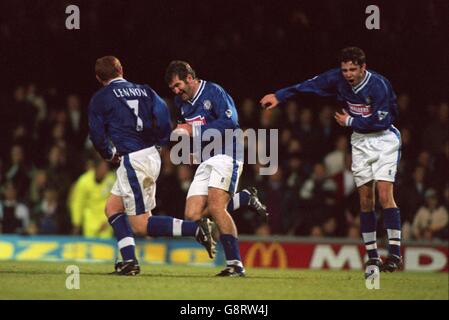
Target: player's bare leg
(196, 211)
(367, 197)
(217, 202)
(385, 192)
(139, 223)
(195, 208)
(114, 205)
(392, 223)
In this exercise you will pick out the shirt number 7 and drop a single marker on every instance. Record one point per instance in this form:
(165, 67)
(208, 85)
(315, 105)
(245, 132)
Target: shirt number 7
(134, 104)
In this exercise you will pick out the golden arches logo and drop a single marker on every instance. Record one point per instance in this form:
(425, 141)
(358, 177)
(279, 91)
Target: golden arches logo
(267, 253)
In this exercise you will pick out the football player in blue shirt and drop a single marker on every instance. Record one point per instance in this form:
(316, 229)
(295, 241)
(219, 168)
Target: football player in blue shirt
(204, 105)
(369, 108)
(127, 124)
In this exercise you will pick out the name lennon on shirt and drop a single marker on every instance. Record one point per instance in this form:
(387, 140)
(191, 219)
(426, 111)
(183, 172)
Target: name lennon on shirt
(130, 92)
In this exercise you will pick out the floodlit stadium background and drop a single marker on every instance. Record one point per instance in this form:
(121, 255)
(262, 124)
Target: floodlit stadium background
(251, 49)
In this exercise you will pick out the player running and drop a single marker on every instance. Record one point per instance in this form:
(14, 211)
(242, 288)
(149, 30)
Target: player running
(127, 124)
(204, 105)
(369, 108)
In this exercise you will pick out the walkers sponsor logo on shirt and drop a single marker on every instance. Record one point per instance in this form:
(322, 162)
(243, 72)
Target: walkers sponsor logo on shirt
(359, 109)
(196, 121)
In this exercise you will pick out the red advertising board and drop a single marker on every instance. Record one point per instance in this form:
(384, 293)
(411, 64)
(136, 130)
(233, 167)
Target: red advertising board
(336, 256)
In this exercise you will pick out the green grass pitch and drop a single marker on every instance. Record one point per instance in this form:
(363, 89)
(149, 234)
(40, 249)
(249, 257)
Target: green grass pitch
(47, 280)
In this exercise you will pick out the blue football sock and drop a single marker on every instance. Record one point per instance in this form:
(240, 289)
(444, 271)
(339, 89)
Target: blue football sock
(124, 235)
(392, 222)
(240, 200)
(165, 226)
(232, 251)
(368, 224)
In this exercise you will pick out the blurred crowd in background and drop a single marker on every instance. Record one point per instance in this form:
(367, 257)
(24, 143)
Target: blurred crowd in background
(52, 182)
(46, 189)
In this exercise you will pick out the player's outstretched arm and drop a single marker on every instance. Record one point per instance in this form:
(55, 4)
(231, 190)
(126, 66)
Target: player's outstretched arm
(269, 101)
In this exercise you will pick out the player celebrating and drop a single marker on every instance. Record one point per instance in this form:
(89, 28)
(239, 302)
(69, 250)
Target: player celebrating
(369, 109)
(203, 105)
(127, 122)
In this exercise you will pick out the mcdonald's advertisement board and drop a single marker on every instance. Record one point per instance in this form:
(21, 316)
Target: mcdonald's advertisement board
(330, 255)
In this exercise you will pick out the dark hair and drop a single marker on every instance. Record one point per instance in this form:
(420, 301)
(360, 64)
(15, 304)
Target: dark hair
(179, 68)
(354, 54)
(108, 67)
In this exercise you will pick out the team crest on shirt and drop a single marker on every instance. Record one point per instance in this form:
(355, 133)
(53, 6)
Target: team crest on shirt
(207, 105)
(382, 115)
(368, 100)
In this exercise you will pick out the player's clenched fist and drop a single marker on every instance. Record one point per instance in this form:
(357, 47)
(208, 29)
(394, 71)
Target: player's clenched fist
(269, 101)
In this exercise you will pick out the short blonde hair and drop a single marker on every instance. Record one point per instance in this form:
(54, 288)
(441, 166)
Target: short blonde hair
(108, 67)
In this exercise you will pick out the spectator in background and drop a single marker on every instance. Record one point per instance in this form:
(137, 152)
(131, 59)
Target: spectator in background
(431, 220)
(346, 195)
(353, 230)
(437, 131)
(446, 196)
(76, 130)
(349, 186)
(18, 171)
(174, 180)
(441, 165)
(329, 227)
(295, 174)
(88, 200)
(14, 215)
(409, 152)
(167, 186)
(22, 112)
(411, 194)
(37, 187)
(37, 101)
(58, 132)
(285, 136)
(318, 199)
(268, 119)
(307, 134)
(335, 160)
(406, 118)
(327, 130)
(295, 147)
(22, 135)
(2, 176)
(291, 116)
(274, 191)
(248, 114)
(49, 213)
(58, 173)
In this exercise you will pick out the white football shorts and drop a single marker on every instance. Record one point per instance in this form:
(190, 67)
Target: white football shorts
(136, 180)
(375, 156)
(220, 171)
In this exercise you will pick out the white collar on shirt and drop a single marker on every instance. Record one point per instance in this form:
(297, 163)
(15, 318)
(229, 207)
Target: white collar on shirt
(198, 92)
(115, 79)
(363, 83)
